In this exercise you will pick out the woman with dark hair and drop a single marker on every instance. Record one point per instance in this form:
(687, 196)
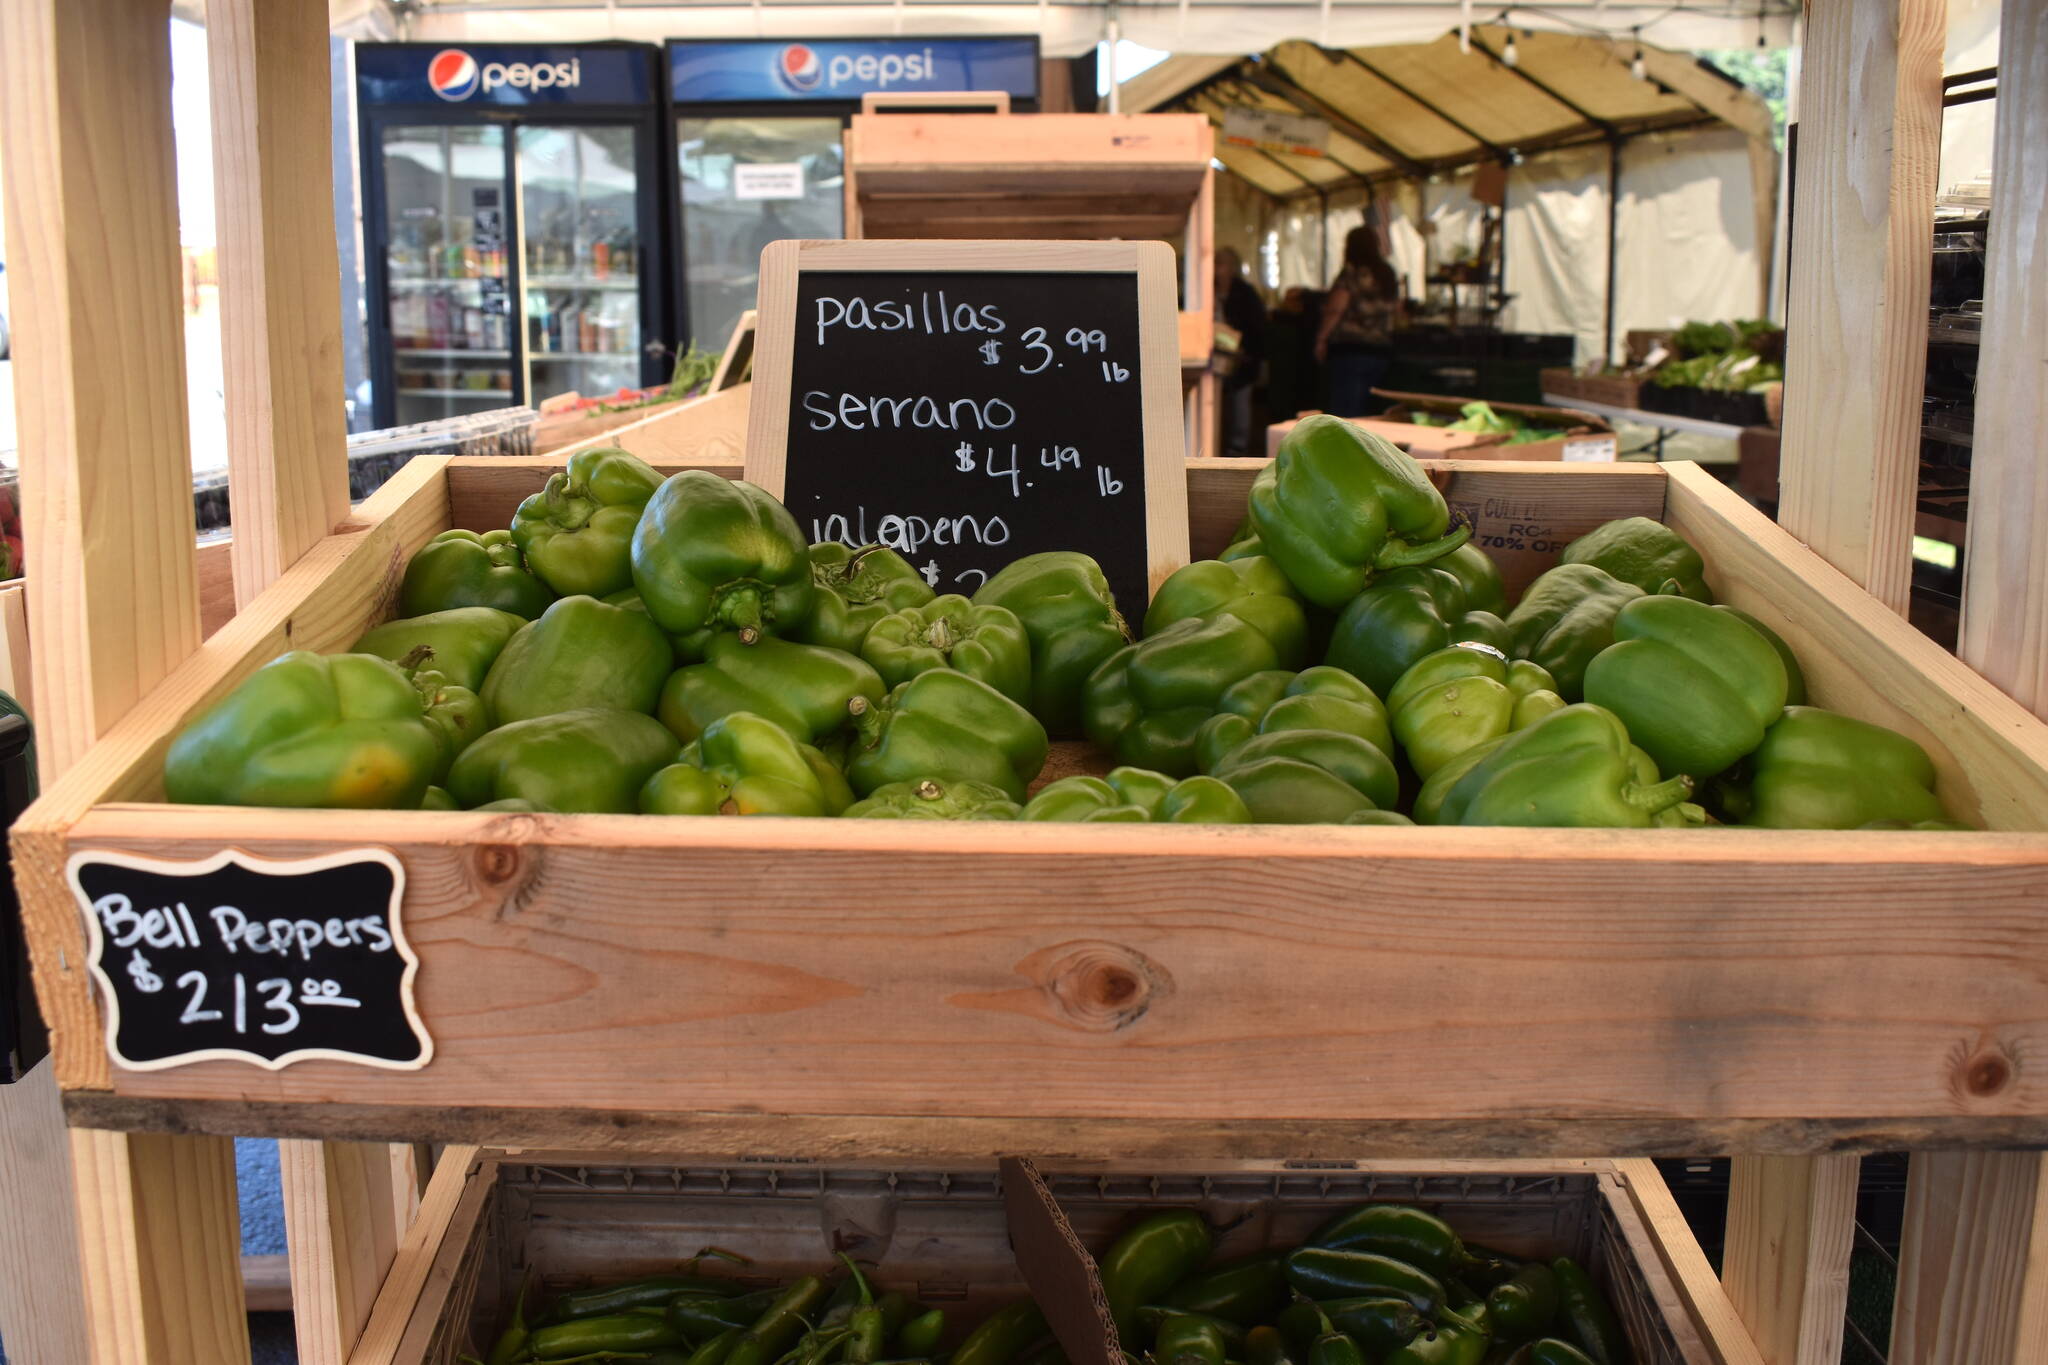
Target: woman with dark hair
(1355, 343)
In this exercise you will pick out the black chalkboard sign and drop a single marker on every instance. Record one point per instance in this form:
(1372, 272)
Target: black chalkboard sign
(969, 403)
(250, 959)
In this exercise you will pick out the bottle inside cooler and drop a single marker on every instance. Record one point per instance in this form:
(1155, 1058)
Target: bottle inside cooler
(578, 195)
(446, 227)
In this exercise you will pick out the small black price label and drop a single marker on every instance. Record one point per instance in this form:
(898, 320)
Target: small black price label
(252, 959)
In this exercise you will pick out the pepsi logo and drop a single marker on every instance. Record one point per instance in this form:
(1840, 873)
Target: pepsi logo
(453, 74)
(799, 68)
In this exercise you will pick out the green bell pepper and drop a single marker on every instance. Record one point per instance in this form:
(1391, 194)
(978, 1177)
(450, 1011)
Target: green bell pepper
(1402, 616)
(1310, 777)
(455, 713)
(1645, 553)
(1479, 575)
(1137, 796)
(1795, 678)
(592, 760)
(580, 653)
(857, 588)
(1146, 702)
(465, 641)
(1377, 817)
(745, 764)
(1696, 687)
(464, 569)
(1820, 770)
(944, 724)
(437, 798)
(1429, 801)
(1572, 768)
(306, 730)
(1067, 609)
(577, 532)
(985, 642)
(1564, 619)
(803, 688)
(930, 799)
(1338, 505)
(1319, 698)
(1465, 695)
(1252, 588)
(713, 555)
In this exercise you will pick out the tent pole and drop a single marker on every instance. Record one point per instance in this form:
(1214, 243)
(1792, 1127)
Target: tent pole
(1613, 224)
(1323, 223)
(1114, 36)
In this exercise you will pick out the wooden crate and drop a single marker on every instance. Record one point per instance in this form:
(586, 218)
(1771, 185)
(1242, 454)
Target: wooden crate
(492, 1218)
(621, 982)
(1614, 390)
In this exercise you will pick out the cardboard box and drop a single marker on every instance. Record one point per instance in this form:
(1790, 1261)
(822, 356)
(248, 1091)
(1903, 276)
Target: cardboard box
(1586, 439)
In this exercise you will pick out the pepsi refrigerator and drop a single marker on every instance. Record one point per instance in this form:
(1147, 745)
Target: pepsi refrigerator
(758, 151)
(514, 197)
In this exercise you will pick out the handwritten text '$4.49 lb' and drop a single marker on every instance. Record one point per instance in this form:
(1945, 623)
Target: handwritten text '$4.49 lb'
(1054, 458)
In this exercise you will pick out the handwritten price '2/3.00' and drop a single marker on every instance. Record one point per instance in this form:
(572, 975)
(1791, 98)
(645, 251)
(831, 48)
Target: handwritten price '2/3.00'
(276, 992)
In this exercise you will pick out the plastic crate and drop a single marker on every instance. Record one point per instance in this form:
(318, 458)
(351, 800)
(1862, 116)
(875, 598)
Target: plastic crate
(944, 1235)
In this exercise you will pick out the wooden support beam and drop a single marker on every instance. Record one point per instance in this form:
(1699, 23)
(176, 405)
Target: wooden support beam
(42, 1309)
(279, 298)
(340, 1222)
(1787, 1272)
(1973, 1265)
(1856, 353)
(106, 481)
(2005, 564)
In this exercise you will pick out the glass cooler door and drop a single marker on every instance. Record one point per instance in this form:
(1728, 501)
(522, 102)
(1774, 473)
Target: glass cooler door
(582, 256)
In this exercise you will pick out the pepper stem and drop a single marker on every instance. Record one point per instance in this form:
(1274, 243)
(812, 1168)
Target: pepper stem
(1658, 796)
(1398, 554)
(416, 656)
(740, 609)
(939, 635)
(867, 1295)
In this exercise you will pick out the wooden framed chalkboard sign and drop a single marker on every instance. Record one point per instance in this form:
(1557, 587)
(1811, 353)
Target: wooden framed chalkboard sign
(969, 403)
(251, 959)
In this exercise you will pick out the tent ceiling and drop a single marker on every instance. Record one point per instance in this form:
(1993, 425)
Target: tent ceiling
(1424, 107)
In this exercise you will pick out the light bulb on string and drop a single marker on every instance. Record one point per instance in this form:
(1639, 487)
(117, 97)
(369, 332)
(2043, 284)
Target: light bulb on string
(1639, 68)
(1508, 54)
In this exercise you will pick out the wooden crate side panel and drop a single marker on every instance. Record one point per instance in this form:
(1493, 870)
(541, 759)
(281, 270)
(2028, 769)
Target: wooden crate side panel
(1990, 753)
(1706, 1302)
(1178, 973)
(432, 1248)
(712, 428)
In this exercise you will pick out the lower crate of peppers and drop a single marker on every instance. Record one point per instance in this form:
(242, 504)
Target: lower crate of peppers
(495, 1222)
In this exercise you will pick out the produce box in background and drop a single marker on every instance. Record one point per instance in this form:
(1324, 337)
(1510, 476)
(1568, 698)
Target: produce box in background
(946, 1237)
(1424, 443)
(1581, 437)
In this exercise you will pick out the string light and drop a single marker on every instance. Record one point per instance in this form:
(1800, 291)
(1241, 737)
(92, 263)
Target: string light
(1639, 68)
(1508, 54)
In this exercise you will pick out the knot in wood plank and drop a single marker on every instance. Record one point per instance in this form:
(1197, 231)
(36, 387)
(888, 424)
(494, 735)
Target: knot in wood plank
(1099, 986)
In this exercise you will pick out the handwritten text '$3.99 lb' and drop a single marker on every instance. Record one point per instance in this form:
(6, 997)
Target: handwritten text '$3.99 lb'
(1053, 458)
(1039, 353)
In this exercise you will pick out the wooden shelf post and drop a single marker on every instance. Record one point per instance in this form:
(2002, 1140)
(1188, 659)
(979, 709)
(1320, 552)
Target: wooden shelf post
(1860, 268)
(1973, 1270)
(345, 1203)
(1856, 360)
(106, 481)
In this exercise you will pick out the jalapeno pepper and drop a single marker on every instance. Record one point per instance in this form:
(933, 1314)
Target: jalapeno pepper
(1587, 1318)
(1154, 1317)
(615, 1332)
(1333, 1347)
(1484, 1267)
(1401, 1231)
(511, 1343)
(920, 1336)
(701, 1316)
(865, 1330)
(1378, 1322)
(1549, 1351)
(1150, 1259)
(1524, 1307)
(1321, 1273)
(779, 1325)
(1299, 1323)
(1266, 1346)
(1185, 1339)
(1248, 1291)
(1001, 1336)
(716, 1349)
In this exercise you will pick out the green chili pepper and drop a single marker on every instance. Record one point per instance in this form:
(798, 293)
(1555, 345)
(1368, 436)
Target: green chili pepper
(716, 1349)
(1150, 1259)
(1001, 1336)
(1401, 1231)
(1332, 1347)
(1155, 1317)
(1550, 1351)
(1266, 1346)
(1185, 1339)
(1451, 1340)
(1247, 1291)
(780, 1324)
(1321, 1273)
(1525, 1306)
(1299, 1324)
(920, 1336)
(655, 1291)
(701, 1316)
(511, 1343)
(1584, 1313)
(865, 1325)
(1378, 1322)
(617, 1332)
(1484, 1267)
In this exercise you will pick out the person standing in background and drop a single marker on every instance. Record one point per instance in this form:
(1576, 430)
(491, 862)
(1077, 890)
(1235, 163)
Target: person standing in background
(1239, 306)
(1355, 343)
